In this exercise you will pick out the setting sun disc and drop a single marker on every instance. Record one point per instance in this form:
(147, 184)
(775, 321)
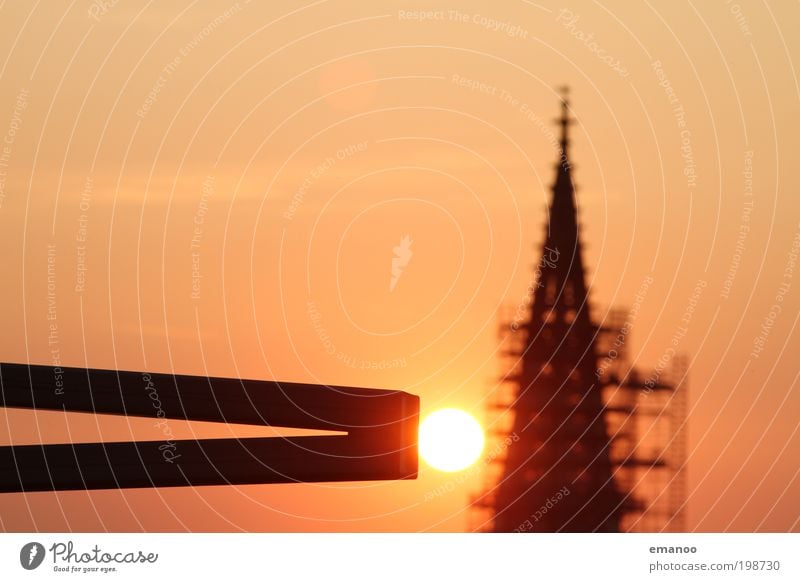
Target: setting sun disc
(450, 440)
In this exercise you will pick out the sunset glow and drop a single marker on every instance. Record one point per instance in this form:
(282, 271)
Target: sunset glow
(358, 195)
(450, 440)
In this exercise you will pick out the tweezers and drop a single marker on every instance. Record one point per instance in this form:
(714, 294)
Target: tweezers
(380, 425)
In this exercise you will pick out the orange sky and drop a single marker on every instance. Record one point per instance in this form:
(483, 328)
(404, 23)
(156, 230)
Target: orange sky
(282, 152)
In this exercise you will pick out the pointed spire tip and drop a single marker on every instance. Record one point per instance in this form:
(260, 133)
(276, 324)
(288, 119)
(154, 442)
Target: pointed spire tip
(564, 122)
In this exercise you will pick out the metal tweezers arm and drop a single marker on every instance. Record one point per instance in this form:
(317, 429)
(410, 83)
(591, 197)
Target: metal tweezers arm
(381, 427)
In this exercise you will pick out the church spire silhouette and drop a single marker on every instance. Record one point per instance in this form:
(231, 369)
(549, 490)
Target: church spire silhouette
(560, 460)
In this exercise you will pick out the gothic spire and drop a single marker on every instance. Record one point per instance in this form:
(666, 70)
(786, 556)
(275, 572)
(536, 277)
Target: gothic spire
(564, 121)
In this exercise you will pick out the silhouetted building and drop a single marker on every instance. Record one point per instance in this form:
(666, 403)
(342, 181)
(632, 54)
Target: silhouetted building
(571, 456)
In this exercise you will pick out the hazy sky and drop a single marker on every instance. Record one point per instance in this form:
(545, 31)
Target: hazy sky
(218, 188)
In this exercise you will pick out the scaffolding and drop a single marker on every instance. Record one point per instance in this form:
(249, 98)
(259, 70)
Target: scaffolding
(579, 438)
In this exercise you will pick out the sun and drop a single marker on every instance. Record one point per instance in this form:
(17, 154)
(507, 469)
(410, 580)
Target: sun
(450, 439)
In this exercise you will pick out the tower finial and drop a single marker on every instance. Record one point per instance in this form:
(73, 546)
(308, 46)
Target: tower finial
(564, 121)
